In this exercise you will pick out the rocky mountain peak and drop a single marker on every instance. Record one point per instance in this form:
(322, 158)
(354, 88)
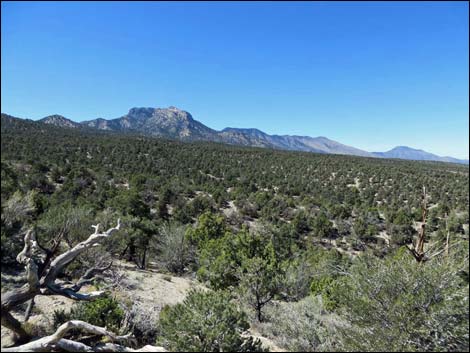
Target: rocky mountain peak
(173, 112)
(170, 114)
(140, 113)
(59, 120)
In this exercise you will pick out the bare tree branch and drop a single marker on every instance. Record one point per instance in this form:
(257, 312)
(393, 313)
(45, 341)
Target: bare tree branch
(29, 245)
(29, 310)
(89, 275)
(56, 341)
(62, 260)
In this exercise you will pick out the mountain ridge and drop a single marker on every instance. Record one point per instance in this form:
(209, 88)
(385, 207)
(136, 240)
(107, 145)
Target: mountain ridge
(405, 152)
(175, 123)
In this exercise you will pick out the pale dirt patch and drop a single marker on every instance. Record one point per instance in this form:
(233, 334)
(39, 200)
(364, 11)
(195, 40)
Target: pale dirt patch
(153, 289)
(417, 225)
(230, 209)
(123, 186)
(351, 252)
(211, 176)
(383, 234)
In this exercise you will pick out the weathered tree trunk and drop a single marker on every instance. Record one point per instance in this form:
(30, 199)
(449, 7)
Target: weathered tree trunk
(258, 312)
(447, 237)
(19, 334)
(57, 342)
(144, 256)
(18, 296)
(418, 251)
(123, 253)
(42, 278)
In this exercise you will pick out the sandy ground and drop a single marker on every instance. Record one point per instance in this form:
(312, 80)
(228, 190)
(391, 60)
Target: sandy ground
(153, 289)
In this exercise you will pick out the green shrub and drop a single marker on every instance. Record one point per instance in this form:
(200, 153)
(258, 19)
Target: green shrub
(298, 326)
(103, 312)
(397, 304)
(206, 322)
(325, 287)
(59, 317)
(260, 279)
(209, 226)
(172, 248)
(221, 259)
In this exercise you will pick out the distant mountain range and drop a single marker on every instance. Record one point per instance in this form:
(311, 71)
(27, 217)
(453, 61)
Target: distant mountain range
(404, 152)
(178, 124)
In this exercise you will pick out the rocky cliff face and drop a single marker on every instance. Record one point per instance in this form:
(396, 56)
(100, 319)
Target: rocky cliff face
(170, 122)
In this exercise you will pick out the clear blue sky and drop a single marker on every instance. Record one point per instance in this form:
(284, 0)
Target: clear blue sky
(370, 75)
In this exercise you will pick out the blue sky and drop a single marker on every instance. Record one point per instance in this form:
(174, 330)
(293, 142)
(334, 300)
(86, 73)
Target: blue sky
(370, 75)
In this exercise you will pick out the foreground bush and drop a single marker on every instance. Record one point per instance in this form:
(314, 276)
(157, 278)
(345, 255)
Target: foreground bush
(398, 304)
(299, 326)
(206, 322)
(103, 312)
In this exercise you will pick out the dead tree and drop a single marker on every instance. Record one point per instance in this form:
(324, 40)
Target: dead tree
(57, 342)
(42, 276)
(42, 280)
(446, 248)
(418, 250)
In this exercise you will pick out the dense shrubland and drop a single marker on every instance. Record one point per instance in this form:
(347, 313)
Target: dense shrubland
(307, 249)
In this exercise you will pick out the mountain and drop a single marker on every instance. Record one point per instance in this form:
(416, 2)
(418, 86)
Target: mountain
(327, 146)
(246, 137)
(59, 120)
(103, 124)
(255, 137)
(178, 124)
(171, 122)
(404, 152)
